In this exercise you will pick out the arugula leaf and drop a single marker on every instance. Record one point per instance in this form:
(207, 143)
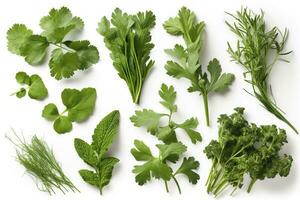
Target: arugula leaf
(254, 46)
(186, 62)
(95, 154)
(129, 41)
(35, 86)
(79, 105)
(242, 149)
(155, 124)
(157, 167)
(67, 57)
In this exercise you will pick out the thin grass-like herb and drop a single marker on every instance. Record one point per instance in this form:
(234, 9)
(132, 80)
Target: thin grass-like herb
(40, 162)
(256, 46)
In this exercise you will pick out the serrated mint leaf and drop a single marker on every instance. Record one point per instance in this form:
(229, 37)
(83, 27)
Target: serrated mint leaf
(95, 154)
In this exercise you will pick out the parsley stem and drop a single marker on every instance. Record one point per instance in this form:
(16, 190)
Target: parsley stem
(251, 185)
(166, 186)
(205, 101)
(62, 47)
(177, 184)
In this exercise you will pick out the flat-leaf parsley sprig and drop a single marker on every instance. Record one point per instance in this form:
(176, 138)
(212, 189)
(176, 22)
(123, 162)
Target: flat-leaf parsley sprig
(186, 62)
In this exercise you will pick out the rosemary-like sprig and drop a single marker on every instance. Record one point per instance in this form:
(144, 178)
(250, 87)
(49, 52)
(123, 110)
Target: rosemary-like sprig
(40, 162)
(256, 46)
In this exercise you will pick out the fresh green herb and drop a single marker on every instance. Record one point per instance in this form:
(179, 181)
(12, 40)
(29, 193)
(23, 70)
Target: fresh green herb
(79, 106)
(40, 162)
(158, 167)
(35, 86)
(244, 148)
(153, 121)
(255, 47)
(95, 154)
(129, 41)
(187, 59)
(67, 57)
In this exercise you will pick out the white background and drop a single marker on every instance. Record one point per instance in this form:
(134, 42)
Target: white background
(24, 115)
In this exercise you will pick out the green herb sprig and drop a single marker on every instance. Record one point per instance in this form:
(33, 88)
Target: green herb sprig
(40, 162)
(67, 57)
(255, 47)
(79, 105)
(95, 154)
(245, 149)
(187, 58)
(153, 121)
(158, 167)
(129, 41)
(36, 88)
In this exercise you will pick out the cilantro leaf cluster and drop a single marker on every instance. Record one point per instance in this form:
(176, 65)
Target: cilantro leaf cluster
(158, 166)
(154, 121)
(67, 56)
(186, 63)
(79, 106)
(35, 86)
(171, 150)
(245, 149)
(129, 40)
(95, 154)
(258, 50)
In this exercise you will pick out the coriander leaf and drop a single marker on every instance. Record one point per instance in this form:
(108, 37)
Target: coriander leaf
(50, 112)
(105, 173)
(105, 132)
(85, 152)
(147, 118)
(141, 152)
(188, 127)
(165, 131)
(37, 89)
(187, 167)
(17, 36)
(63, 65)
(166, 150)
(175, 70)
(223, 82)
(87, 54)
(89, 176)
(168, 95)
(67, 57)
(59, 23)
(62, 124)
(94, 154)
(34, 49)
(154, 168)
(179, 53)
